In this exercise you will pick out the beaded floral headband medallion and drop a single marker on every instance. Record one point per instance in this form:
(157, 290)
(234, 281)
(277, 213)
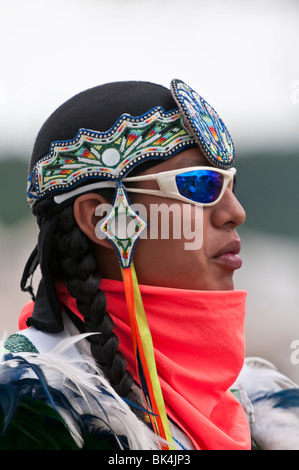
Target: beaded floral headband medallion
(205, 124)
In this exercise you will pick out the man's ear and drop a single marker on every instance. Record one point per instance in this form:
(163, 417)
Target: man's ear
(89, 209)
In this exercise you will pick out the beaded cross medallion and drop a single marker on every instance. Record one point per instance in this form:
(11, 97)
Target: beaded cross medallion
(122, 226)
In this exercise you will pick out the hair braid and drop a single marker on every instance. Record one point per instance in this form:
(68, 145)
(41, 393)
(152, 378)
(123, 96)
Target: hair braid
(74, 262)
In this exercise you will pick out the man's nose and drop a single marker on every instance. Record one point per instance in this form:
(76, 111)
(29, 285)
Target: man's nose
(229, 210)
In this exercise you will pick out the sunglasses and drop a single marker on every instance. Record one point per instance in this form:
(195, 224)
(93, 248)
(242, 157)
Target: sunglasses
(199, 185)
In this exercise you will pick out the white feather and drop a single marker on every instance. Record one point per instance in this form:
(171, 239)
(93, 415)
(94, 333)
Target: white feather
(272, 428)
(259, 376)
(80, 374)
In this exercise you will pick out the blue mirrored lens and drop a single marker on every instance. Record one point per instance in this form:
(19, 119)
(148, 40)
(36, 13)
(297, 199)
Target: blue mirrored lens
(200, 186)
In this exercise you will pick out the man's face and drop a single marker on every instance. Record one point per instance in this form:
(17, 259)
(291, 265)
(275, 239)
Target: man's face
(167, 262)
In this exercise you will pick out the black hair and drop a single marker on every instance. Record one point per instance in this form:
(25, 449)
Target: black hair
(72, 260)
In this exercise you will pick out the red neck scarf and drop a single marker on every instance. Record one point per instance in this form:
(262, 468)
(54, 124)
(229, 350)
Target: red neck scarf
(199, 347)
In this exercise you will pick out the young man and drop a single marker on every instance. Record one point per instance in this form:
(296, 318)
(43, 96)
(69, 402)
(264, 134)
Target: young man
(162, 326)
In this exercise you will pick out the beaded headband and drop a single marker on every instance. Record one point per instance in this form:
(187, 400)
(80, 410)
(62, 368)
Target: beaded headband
(110, 155)
(94, 155)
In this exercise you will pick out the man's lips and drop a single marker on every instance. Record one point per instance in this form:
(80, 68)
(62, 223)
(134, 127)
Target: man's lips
(229, 255)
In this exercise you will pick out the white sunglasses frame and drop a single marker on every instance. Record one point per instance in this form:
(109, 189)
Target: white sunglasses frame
(168, 188)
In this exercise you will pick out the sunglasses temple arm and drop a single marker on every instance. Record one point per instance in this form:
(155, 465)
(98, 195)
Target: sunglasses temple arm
(152, 177)
(140, 178)
(154, 192)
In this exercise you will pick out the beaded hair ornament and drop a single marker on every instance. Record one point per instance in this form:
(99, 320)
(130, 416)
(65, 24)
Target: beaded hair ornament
(94, 160)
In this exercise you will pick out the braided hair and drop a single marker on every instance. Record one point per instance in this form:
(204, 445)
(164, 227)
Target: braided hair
(72, 260)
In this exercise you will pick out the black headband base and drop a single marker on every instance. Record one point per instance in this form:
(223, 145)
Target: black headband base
(42, 317)
(29, 270)
(46, 315)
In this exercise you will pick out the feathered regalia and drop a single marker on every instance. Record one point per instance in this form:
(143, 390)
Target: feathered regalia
(57, 401)
(61, 398)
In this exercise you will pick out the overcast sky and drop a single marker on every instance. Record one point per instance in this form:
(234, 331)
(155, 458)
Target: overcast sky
(240, 55)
